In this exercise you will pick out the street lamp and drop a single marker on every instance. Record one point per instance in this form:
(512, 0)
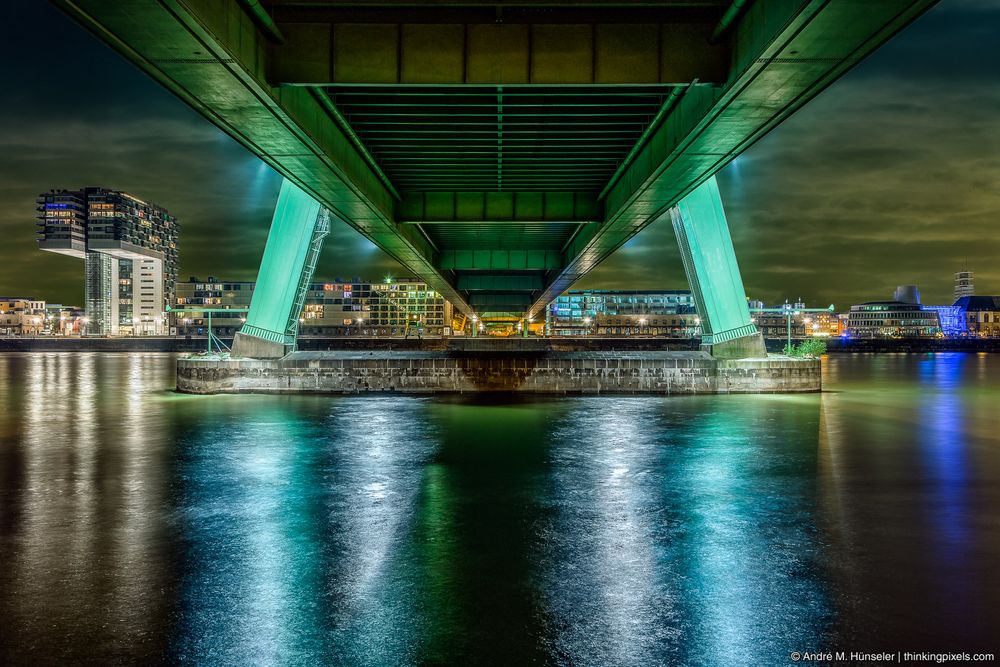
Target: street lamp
(789, 310)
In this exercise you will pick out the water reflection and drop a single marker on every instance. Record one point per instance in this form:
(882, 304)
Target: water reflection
(752, 556)
(292, 514)
(681, 534)
(83, 505)
(140, 526)
(471, 552)
(909, 467)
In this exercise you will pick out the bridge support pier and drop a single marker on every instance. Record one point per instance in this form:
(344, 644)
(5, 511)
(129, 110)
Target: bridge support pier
(293, 244)
(709, 258)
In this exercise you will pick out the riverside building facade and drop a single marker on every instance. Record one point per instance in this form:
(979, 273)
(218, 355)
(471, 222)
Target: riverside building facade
(129, 248)
(980, 315)
(392, 307)
(892, 319)
(21, 316)
(624, 313)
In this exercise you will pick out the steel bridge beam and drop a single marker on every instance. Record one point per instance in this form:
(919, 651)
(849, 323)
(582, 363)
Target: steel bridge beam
(509, 301)
(272, 319)
(438, 207)
(784, 54)
(502, 283)
(499, 260)
(455, 53)
(713, 274)
(771, 59)
(212, 55)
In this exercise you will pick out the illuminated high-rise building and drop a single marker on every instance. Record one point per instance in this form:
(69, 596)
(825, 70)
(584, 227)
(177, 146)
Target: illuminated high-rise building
(129, 248)
(963, 284)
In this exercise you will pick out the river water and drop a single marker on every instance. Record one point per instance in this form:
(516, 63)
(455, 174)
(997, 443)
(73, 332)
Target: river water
(138, 526)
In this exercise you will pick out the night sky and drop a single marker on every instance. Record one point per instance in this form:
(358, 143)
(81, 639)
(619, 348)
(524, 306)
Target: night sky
(890, 176)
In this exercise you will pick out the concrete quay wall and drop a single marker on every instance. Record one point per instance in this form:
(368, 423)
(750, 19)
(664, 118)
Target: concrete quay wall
(549, 372)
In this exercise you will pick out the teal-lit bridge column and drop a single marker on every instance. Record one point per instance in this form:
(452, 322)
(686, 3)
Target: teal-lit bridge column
(293, 244)
(706, 247)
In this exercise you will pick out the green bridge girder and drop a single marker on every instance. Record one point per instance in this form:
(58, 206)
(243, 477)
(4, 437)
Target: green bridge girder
(498, 150)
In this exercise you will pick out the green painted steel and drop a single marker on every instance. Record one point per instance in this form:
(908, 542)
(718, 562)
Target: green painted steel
(461, 145)
(320, 231)
(293, 227)
(785, 53)
(501, 301)
(710, 264)
(499, 260)
(594, 46)
(475, 282)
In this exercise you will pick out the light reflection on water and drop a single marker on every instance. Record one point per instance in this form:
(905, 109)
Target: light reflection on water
(141, 526)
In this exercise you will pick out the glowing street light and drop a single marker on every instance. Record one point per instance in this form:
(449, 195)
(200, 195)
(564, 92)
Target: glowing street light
(788, 310)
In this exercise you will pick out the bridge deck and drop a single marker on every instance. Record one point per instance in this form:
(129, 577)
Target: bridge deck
(497, 150)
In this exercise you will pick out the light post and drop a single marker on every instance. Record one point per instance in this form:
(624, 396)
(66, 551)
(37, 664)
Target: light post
(642, 323)
(360, 321)
(586, 325)
(788, 310)
(212, 339)
(475, 326)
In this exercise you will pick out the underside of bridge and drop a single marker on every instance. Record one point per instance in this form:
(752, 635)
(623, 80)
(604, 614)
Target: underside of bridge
(498, 150)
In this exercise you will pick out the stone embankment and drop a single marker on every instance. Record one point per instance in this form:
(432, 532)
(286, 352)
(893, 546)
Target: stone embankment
(511, 370)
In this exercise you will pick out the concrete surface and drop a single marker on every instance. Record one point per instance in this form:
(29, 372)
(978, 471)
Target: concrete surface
(510, 371)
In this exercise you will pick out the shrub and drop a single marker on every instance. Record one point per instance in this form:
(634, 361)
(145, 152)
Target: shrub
(807, 348)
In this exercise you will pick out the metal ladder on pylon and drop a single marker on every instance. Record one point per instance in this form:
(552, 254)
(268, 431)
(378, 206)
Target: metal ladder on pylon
(320, 232)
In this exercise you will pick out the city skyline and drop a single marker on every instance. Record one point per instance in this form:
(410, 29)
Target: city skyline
(872, 185)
